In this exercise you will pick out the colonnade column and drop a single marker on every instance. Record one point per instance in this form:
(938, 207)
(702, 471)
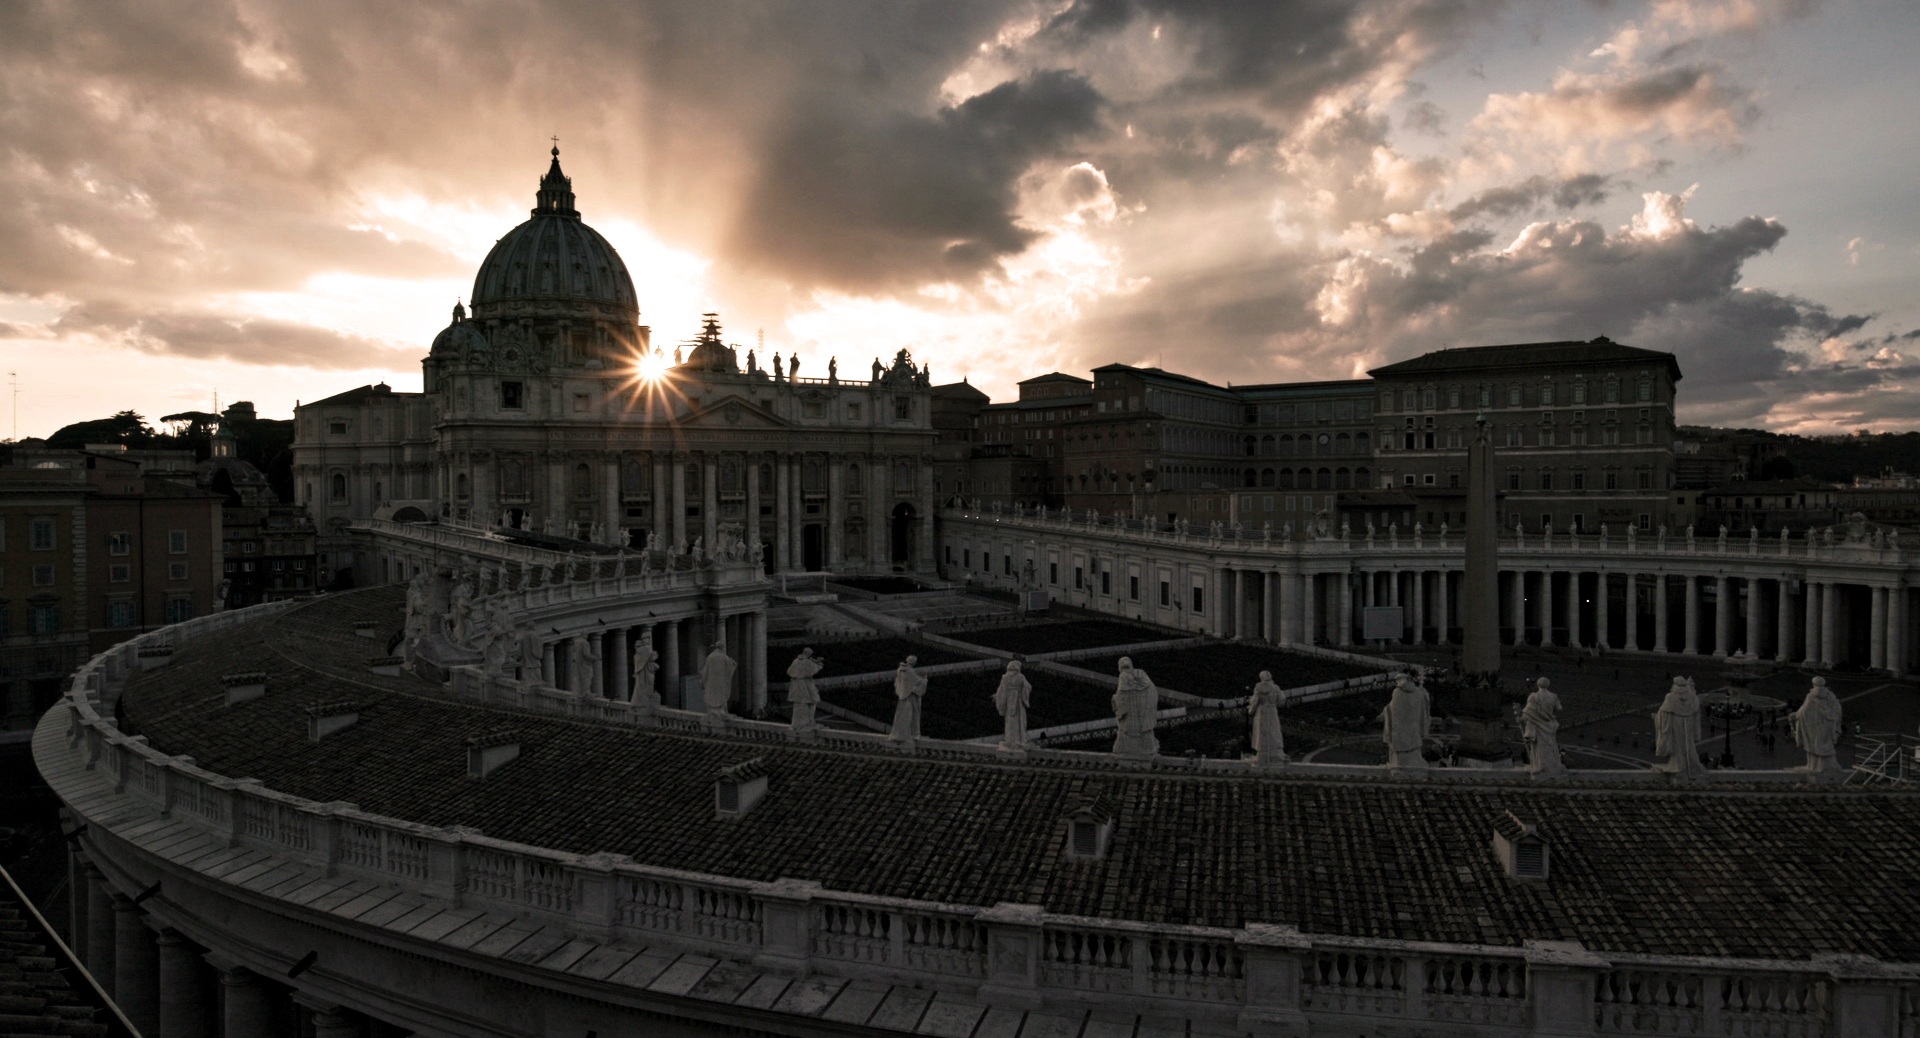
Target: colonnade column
(1829, 620)
(1660, 612)
(99, 926)
(710, 500)
(1517, 606)
(836, 512)
(782, 515)
(1289, 589)
(1810, 624)
(183, 1007)
(1692, 619)
(1603, 609)
(1754, 611)
(677, 500)
(1419, 607)
(1722, 614)
(750, 526)
(670, 663)
(798, 524)
(1443, 616)
(1877, 629)
(1223, 601)
(1782, 621)
(1897, 629)
(1309, 621)
(136, 966)
(246, 1004)
(757, 663)
(1346, 609)
(1573, 609)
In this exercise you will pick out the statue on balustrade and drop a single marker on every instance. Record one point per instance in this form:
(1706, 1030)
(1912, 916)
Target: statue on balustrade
(833, 370)
(646, 672)
(699, 547)
(1404, 723)
(802, 694)
(1676, 730)
(589, 658)
(1540, 728)
(500, 640)
(909, 688)
(1263, 706)
(419, 607)
(1816, 726)
(1011, 699)
(716, 680)
(1136, 708)
(778, 368)
(462, 612)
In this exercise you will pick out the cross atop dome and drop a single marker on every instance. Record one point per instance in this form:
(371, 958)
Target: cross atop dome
(556, 190)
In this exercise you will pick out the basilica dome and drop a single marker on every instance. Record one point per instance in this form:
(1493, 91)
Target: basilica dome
(553, 264)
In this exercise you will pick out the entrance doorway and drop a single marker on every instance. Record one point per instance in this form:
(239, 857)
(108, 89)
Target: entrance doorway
(813, 549)
(902, 534)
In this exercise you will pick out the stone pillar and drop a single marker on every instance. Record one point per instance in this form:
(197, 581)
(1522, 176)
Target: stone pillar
(1419, 595)
(1517, 606)
(335, 1022)
(1346, 610)
(1829, 622)
(1782, 621)
(1722, 614)
(1309, 608)
(1443, 615)
(670, 664)
(797, 506)
(1222, 604)
(1692, 618)
(710, 499)
(677, 509)
(1810, 623)
(757, 661)
(1660, 612)
(99, 926)
(662, 501)
(836, 512)
(1603, 609)
(1479, 592)
(611, 516)
(1755, 611)
(923, 548)
(136, 967)
(1877, 629)
(1573, 609)
(247, 1005)
(548, 655)
(616, 656)
(183, 1007)
(1897, 629)
(782, 516)
(1289, 611)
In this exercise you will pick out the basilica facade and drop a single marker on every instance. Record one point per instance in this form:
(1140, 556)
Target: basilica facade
(547, 407)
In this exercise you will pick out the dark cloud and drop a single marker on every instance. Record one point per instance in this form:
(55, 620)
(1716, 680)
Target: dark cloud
(243, 340)
(1514, 199)
(863, 206)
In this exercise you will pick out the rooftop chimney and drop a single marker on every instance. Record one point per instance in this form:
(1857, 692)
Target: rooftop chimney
(386, 666)
(245, 685)
(324, 719)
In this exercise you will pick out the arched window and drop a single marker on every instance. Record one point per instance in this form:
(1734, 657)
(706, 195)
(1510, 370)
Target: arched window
(730, 477)
(902, 477)
(459, 486)
(693, 478)
(1248, 478)
(1266, 477)
(582, 480)
(1362, 442)
(1342, 443)
(1362, 477)
(810, 475)
(1342, 479)
(1286, 479)
(853, 479)
(766, 479)
(339, 488)
(1266, 445)
(1251, 445)
(636, 477)
(1323, 479)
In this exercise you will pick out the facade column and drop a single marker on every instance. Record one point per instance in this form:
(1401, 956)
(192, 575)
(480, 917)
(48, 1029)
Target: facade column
(1829, 622)
(136, 967)
(922, 558)
(1443, 615)
(1877, 629)
(757, 663)
(677, 508)
(670, 664)
(1660, 612)
(1754, 615)
(1309, 608)
(557, 464)
(1289, 588)
(611, 516)
(797, 506)
(1573, 609)
(246, 1004)
(836, 512)
(1603, 609)
(782, 516)
(1722, 615)
(183, 1009)
(750, 523)
(1419, 607)
(710, 500)
(335, 1022)
(1782, 621)
(99, 924)
(661, 498)
(1516, 605)
(1810, 623)
(1897, 629)
(614, 654)
(1692, 619)
(1346, 609)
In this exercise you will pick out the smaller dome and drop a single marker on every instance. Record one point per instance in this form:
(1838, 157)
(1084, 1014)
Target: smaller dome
(459, 337)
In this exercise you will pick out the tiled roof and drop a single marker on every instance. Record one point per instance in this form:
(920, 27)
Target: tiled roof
(36, 997)
(1527, 354)
(1751, 874)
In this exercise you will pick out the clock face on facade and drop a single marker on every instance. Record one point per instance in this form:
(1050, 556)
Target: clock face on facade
(1325, 439)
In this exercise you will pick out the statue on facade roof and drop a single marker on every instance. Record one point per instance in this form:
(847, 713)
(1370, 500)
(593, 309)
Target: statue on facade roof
(1136, 708)
(876, 369)
(1011, 699)
(793, 368)
(778, 369)
(716, 680)
(1816, 726)
(1540, 728)
(1263, 706)
(833, 371)
(1404, 722)
(1676, 729)
(802, 694)
(909, 688)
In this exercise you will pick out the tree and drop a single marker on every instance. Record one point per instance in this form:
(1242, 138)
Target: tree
(123, 427)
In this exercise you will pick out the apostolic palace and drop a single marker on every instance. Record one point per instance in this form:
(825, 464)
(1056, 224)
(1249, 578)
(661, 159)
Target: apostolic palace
(663, 690)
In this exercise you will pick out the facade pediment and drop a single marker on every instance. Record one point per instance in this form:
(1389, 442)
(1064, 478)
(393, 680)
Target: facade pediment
(732, 413)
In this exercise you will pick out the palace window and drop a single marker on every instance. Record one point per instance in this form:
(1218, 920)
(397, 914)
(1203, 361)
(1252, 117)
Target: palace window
(40, 535)
(120, 543)
(513, 395)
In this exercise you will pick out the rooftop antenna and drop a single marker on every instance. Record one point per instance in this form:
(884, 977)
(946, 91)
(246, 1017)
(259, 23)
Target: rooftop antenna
(14, 380)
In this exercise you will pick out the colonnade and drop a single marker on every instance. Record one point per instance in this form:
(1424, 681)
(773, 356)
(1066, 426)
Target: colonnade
(1819, 620)
(600, 662)
(169, 987)
(814, 510)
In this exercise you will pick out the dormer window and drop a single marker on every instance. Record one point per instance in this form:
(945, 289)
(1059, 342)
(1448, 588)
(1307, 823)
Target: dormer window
(738, 788)
(1090, 829)
(1520, 846)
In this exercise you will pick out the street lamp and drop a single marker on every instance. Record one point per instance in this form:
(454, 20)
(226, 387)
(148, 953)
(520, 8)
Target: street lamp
(1736, 702)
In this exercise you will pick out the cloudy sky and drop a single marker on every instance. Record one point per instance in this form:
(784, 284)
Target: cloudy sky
(281, 200)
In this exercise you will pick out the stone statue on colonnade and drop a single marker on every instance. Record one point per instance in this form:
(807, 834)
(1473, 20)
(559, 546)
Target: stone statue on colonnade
(1011, 699)
(1404, 722)
(1676, 729)
(646, 673)
(1136, 706)
(802, 695)
(1816, 726)
(589, 662)
(1269, 743)
(909, 687)
(1540, 727)
(716, 680)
